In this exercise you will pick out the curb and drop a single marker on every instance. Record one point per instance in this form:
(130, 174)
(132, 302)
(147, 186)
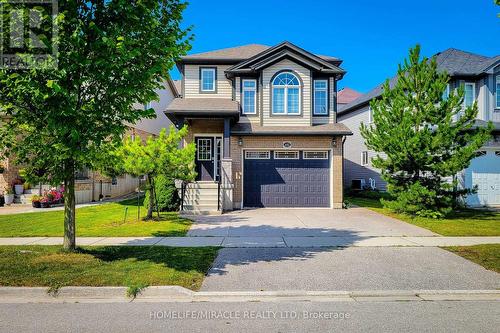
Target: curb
(181, 294)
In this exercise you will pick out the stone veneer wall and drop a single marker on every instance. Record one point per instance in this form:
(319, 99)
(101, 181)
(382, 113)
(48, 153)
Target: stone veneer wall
(10, 173)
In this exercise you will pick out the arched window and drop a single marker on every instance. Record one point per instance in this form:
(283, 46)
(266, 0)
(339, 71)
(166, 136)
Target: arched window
(286, 94)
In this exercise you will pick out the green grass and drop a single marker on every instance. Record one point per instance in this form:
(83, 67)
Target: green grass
(129, 266)
(101, 220)
(486, 255)
(468, 222)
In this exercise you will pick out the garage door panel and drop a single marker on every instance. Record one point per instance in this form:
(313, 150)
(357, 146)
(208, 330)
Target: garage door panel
(484, 173)
(286, 182)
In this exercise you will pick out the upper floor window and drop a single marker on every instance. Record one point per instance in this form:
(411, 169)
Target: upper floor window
(446, 92)
(497, 91)
(320, 97)
(286, 94)
(249, 96)
(470, 94)
(370, 115)
(207, 79)
(364, 158)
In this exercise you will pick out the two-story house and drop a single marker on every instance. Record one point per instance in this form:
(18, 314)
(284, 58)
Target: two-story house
(480, 77)
(264, 123)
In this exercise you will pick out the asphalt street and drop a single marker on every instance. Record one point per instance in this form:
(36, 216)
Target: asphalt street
(441, 316)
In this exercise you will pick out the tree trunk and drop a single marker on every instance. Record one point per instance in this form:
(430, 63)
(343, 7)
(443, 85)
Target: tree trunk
(151, 204)
(69, 213)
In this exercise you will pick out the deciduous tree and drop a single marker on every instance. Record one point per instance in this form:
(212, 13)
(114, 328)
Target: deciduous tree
(111, 54)
(158, 156)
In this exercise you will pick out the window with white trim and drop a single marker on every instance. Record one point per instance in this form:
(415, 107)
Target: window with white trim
(497, 92)
(204, 149)
(315, 155)
(446, 92)
(320, 97)
(364, 158)
(286, 155)
(286, 94)
(207, 79)
(497, 153)
(370, 115)
(249, 96)
(257, 155)
(470, 94)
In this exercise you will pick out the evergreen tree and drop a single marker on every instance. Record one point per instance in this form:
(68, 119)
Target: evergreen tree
(423, 138)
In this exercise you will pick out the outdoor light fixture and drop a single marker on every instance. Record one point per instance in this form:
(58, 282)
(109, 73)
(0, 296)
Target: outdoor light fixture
(240, 141)
(334, 142)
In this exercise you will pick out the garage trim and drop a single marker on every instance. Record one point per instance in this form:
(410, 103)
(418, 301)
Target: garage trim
(298, 149)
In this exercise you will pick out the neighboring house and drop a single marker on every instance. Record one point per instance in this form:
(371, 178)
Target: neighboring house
(166, 95)
(346, 96)
(264, 123)
(480, 76)
(91, 185)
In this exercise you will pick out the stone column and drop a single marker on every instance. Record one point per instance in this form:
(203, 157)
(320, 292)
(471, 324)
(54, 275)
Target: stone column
(338, 165)
(227, 184)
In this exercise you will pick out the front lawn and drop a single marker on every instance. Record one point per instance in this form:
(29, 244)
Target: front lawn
(487, 255)
(131, 266)
(468, 222)
(101, 220)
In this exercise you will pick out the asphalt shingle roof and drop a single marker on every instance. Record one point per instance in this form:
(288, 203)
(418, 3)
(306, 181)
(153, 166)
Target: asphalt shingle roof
(324, 129)
(347, 95)
(453, 61)
(242, 52)
(203, 105)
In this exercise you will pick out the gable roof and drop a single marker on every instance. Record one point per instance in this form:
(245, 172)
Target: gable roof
(282, 51)
(178, 86)
(347, 95)
(238, 54)
(456, 63)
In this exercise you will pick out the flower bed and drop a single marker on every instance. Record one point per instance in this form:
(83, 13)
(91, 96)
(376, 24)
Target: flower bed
(51, 197)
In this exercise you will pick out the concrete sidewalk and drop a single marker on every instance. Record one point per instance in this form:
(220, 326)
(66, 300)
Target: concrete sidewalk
(261, 242)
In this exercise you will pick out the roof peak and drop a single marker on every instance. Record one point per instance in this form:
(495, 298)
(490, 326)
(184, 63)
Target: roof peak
(244, 52)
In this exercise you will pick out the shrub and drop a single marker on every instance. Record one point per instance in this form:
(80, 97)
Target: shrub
(369, 194)
(417, 199)
(166, 195)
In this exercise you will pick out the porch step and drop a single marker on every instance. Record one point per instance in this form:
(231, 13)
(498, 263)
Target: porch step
(212, 201)
(201, 198)
(201, 212)
(201, 208)
(202, 185)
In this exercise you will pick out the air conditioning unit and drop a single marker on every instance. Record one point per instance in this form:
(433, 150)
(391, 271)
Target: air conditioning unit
(358, 184)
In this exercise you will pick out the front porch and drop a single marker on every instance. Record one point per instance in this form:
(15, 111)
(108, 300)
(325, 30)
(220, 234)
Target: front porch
(212, 191)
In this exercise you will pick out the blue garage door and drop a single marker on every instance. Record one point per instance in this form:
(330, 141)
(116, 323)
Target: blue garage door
(286, 178)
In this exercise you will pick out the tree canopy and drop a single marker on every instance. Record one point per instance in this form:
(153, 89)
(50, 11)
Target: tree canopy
(110, 54)
(157, 156)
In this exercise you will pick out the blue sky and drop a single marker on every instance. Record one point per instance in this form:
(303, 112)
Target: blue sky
(372, 37)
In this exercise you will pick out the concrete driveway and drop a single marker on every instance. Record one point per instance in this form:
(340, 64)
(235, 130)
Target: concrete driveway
(374, 268)
(331, 268)
(351, 223)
